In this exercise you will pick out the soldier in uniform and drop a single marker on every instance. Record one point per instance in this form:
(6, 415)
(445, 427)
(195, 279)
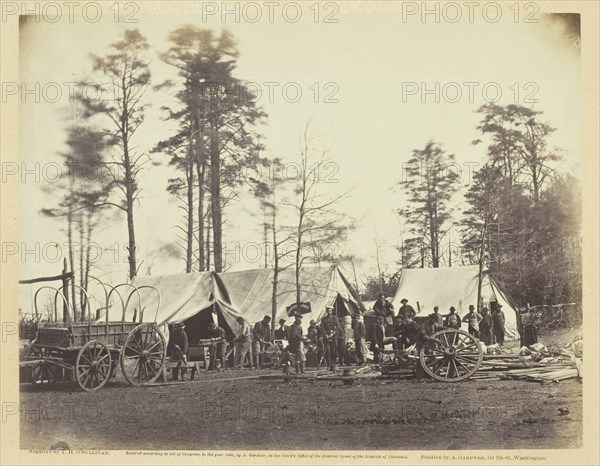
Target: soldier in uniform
(453, 319)
(262, 336)
(315, 338)
(330, 326)
(178, 350)
(296, 340)
(218, 348)
(377, 340)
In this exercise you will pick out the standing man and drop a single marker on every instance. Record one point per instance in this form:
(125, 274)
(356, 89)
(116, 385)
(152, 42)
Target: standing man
(358, 328)
(315, 337)
(178, 350)
(485, 326)
(437, 320)
(330, 326)
(377, 343)
(404, 323)
(218, 348)
(498, 324)
(406, 311)
(262, 336)
(297, 344)
(242, 343)
(453, 319)
(281, 333)
(473, 318)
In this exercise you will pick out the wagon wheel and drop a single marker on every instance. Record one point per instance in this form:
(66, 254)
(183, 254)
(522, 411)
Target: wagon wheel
(93, 366)
(44, 374)
(450, 355)
(143, 355)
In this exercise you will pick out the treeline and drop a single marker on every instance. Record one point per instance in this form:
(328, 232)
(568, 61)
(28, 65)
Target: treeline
(522, 219)
(215, 148)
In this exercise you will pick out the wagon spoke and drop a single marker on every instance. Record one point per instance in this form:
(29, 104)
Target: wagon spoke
(464, 367)
(103, 358)
(155, 345)
(466, 359)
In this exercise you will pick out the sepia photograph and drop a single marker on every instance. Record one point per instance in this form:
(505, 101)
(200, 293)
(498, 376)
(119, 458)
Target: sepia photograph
(249, 228)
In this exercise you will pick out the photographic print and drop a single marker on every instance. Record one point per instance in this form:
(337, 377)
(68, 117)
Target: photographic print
(297, 232)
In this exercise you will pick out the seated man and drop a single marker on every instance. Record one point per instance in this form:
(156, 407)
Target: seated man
(178, 349)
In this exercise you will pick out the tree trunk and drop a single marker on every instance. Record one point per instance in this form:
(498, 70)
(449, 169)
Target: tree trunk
(71, 263)
(131, 232)
(215, 197)
(200, 171)
(190, 206)
(81, 267)
(88, 238)
(299, 256)
(275, 272)
(208, 247)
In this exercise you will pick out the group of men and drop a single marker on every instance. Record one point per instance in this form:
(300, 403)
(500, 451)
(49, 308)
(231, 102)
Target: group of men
(327, 340)
(488, 327)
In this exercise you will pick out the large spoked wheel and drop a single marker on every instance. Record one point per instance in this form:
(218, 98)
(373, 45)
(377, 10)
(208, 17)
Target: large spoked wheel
(44, 374)
(93, 366)
(451, 355)
(143, 355)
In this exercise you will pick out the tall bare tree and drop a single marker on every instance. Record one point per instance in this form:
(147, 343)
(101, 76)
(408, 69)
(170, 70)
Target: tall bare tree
(125, 72)
(430, 181)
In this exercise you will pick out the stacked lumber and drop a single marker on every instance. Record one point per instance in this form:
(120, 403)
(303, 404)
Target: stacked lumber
(551, 373)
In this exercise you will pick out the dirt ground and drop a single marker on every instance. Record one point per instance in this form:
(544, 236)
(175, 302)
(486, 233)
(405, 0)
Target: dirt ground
(233, 410)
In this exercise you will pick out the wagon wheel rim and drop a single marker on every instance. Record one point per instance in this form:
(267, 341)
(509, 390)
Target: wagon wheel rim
(93, 366)
(451, 355)
(45, 374)
(143, 355)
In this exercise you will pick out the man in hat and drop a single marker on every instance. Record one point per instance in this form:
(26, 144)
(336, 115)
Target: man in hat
(383, 307)
(242, 343)
(281, 333)
(330, 326)
(296, 340)
(315, 338)
(406, 313)
(358, 328)
(453, 319)
(262, 338)
(178, 350)
(498, 324)
(473, 318)
(404, 324)
(437, 320)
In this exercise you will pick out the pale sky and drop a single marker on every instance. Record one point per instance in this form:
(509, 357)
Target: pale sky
(369, 57)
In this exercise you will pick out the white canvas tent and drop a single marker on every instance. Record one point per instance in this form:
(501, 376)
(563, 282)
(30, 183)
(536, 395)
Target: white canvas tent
(251, 291)
(452, 286)
(232, 294)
